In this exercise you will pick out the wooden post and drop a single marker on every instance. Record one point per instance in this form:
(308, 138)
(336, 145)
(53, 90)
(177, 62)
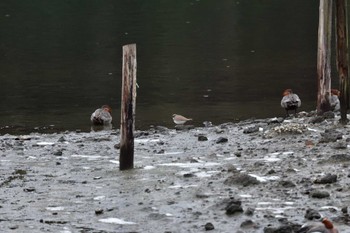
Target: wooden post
(128, 106)
(324, 56)
(342, 57)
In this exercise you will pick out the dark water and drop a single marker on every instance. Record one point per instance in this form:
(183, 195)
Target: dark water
(209, 60)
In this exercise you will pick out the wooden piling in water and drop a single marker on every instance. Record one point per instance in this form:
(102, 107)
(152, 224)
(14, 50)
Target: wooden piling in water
(324, 56)
(342, 57)
(128, 106)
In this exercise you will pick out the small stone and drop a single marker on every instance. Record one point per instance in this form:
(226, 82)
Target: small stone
(287, 184)
(117, 146)
(14, 227)
(327, 179)
(188, 175)
(209, 226)
(248, 224)
(249, 211)
(251, 129)
(233, 207)
(202, 138)
(58, 153)
(30, 189)
(98, 211)
(221, 140)
(312, 214)
(319, 194)
(344, 210)
(61, 139)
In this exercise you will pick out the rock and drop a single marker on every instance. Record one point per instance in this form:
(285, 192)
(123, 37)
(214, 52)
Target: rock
(316, 119)
(312, 214)
(117, 146)
(340, 145)
(249, 211)
(30, 189)
(251, 129)
(327, 179)
(234, 207)
(221, 140)
(58, 153)
(202, 138)
(339, 158)
(319, 194)
(209, 226)
(344, 210)
(241, 179)
(275, 120)
(330, 136)
(287, 184)
(98, 211)
(248, 224)
(161, 129)
(207, 124)
(281, 229)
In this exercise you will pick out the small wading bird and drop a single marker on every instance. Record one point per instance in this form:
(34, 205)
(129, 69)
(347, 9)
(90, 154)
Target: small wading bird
(290, 101)
(325, 226)
(334, 100)
(102, 116)
(180, 120)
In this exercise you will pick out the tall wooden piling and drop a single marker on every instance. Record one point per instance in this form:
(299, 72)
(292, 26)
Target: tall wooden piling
(128, 106)
(324, 56)
(342, 57)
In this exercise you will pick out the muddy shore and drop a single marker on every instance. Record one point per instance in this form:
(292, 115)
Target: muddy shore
(262, 175)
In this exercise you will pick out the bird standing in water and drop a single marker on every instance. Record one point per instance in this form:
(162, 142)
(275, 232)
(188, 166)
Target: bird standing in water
(290, 101)
(102, 116)
(325, 226)
(180, 120)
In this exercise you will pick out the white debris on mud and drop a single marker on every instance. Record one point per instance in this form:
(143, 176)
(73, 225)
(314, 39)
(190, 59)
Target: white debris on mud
(70, 181)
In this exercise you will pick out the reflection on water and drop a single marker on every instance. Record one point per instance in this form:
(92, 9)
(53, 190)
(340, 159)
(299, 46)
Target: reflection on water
(210, 60)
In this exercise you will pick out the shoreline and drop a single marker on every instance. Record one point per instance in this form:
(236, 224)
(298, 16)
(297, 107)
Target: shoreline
(260, 175)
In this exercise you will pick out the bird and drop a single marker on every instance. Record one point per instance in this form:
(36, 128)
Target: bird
(325, 226)
(334, 100)
(102, 116)
(180, 120)
(290, 101)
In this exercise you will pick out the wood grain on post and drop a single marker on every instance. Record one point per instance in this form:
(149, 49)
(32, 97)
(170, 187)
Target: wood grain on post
(324, 56)
(342, 57)
(128, 106)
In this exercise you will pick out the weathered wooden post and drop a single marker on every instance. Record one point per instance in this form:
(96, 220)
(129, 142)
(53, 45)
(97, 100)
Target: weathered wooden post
(128, 106)
(324, 56)
(342, 57)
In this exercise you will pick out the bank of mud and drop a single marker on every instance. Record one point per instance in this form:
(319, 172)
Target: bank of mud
(265, 175)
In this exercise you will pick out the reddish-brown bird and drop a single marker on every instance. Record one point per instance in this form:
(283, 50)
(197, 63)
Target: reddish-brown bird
(325, 226)
(290, 101)
(102, 116)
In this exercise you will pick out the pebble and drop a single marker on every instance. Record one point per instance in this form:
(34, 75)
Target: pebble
(209, 226)
(319, 194)
(221, 140)
(327, 179)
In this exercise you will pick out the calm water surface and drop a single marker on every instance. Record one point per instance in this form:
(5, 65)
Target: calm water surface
(209, 60)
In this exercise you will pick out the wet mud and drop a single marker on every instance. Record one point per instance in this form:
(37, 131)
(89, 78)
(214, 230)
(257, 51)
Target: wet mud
(263, 175)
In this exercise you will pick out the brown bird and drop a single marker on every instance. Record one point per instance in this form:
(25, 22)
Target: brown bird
(180, 120)
(290, 101)
(325, 226)
(334, 100)
(102, 116)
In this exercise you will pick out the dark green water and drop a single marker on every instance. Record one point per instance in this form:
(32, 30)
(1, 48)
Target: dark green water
(209, 60)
